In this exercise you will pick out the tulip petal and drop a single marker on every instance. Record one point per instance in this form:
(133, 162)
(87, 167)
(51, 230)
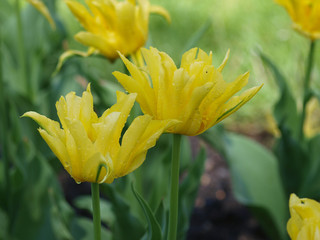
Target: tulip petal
(129, 142)
(44, 11)
(160, 11)
(50, 126)
(224, 62)
(81, 13)
(57, 147)
(100, 43)
(70, 53)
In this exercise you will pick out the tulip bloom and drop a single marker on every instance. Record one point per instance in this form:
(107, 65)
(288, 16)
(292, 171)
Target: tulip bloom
(113, 26)
(195, 94)
(304, 223)
(39, 5)
(305, 15)
(87, 142)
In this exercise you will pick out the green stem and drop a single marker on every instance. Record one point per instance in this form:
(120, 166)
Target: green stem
(4, 136)
(306, 87)
(174, 188)
(22, 52)
(96, 210)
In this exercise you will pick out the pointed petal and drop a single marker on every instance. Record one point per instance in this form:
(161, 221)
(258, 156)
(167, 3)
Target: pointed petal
(44, 11)
(124, 105)
(98, 42)
(70, 53)
(81, 13)
(129, 142)
(57, 147)
(50, 126)
(237, 102)
(224, 62)
(160, 11)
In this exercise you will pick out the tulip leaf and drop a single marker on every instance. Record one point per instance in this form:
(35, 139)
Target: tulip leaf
(285, 110)
(82, 229)
(188, 192)
(154, 229)
(107, 215)
(124, 219)
(195, 38)
(311, 178)
(293, 161)
(256, 181)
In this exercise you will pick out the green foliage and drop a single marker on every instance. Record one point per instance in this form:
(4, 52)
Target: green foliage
(256, 181)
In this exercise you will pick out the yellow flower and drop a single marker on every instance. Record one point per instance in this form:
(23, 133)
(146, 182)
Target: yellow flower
(312, 122)
(86, 142)
(304, 223)
(113, 25)
(305, 14)
(195, 94)
(39, 5)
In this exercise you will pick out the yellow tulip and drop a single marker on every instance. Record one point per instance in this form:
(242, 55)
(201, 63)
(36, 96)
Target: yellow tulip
(304, 223)
(305, 15)
(39, 5)
(87, 142)
(113, 25)
(195, 94)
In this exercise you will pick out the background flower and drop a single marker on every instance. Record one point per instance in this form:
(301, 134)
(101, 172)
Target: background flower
(305, 218)
(113, 26)
(305, 14)
(39, 5)
(194, 94)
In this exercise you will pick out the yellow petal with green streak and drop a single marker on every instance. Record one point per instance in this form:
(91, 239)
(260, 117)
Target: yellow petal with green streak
(91, 167)
(224, 62)
(98, 42)
(50, 126)
(108, 137)
(58, 148)
(237, 102)
(129, 142)
(124, 105)
(70, 53)
(44, 11)
(84, 147)
(160, 11)
(148, 140)
(145, 95)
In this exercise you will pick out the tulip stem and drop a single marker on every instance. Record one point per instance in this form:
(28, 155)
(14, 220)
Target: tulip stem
(174, 188)
(306, 87)
(96, 210)
(4, 137)
(22, 52)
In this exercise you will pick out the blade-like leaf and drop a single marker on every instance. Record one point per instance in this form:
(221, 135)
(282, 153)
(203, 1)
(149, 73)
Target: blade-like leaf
(285, 110)
(256, 181)
(154, 229)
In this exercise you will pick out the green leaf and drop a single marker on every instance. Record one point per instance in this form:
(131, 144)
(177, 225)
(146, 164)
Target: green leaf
(134, 230)
(82, 229)
(188, 191)
(256, 182)
(107, 215)
(195, 38)
(285, 110)
(293, 162)
(154, 229)
(311, 178)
